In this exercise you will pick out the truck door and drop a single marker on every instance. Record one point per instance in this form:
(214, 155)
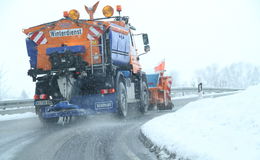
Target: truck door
(119, 45)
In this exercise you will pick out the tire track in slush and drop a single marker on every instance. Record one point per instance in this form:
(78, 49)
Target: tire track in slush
(15, 144)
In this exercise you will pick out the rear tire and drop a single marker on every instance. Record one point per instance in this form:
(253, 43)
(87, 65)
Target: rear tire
(144, 104)
(170, 106)
(122, 99)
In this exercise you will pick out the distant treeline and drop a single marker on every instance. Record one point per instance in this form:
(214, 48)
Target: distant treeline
(237, 75)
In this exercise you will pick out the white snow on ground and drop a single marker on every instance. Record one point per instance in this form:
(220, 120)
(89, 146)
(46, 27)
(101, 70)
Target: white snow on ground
(8, 117)
(224, 128)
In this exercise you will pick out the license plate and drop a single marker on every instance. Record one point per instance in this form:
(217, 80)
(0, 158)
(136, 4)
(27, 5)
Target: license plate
(104, 105)
(43, 103)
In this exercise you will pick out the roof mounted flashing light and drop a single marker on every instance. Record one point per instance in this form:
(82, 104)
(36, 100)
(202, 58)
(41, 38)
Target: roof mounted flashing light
(118, 9)
(73, 14)
(108, 11)
(66, 14)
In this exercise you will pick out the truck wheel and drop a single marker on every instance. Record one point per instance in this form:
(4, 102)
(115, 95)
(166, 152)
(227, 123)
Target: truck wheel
(122, 100)
(144, 104)
(170, 106)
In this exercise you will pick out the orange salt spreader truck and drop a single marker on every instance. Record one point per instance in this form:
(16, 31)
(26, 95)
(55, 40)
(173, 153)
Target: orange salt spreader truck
(159, 87)
(86, 66)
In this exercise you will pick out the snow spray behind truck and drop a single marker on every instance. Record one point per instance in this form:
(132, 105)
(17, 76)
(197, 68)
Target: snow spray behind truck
(86, 66)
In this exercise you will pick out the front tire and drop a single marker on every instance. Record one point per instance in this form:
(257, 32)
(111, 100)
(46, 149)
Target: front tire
(122, 100)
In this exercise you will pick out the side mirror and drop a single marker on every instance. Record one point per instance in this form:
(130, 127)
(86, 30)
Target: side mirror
(132, 27)
(145, 39)
(146, 48)
(146, 44)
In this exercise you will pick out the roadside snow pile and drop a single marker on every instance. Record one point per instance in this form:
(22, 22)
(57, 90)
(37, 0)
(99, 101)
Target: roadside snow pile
(222, 128)
(8, 117)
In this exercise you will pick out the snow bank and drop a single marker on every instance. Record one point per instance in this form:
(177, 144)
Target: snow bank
(224, 128)
(8, 117)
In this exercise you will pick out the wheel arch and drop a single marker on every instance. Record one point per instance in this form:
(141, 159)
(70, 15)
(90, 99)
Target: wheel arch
(120, 77)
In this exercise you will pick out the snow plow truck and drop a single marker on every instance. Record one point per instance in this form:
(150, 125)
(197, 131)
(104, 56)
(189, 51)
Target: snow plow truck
(86, 66)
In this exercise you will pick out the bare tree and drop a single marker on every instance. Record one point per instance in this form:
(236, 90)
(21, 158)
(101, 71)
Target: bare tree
(2, 87)
(175, 78)
(237, 75)
(194, 82)
(255, 76)
(208, 76)
(24, 95)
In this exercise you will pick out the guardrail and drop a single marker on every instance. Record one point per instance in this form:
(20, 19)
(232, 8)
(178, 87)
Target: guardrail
(15, 103)
(16, 106)
(182, 91)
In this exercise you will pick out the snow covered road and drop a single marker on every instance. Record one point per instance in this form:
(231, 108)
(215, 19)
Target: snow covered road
(97, 137)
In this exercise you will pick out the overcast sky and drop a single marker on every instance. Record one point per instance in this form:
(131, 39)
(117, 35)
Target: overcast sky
(188, 34)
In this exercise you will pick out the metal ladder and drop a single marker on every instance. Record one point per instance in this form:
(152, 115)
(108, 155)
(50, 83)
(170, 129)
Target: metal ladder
(102, 54)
